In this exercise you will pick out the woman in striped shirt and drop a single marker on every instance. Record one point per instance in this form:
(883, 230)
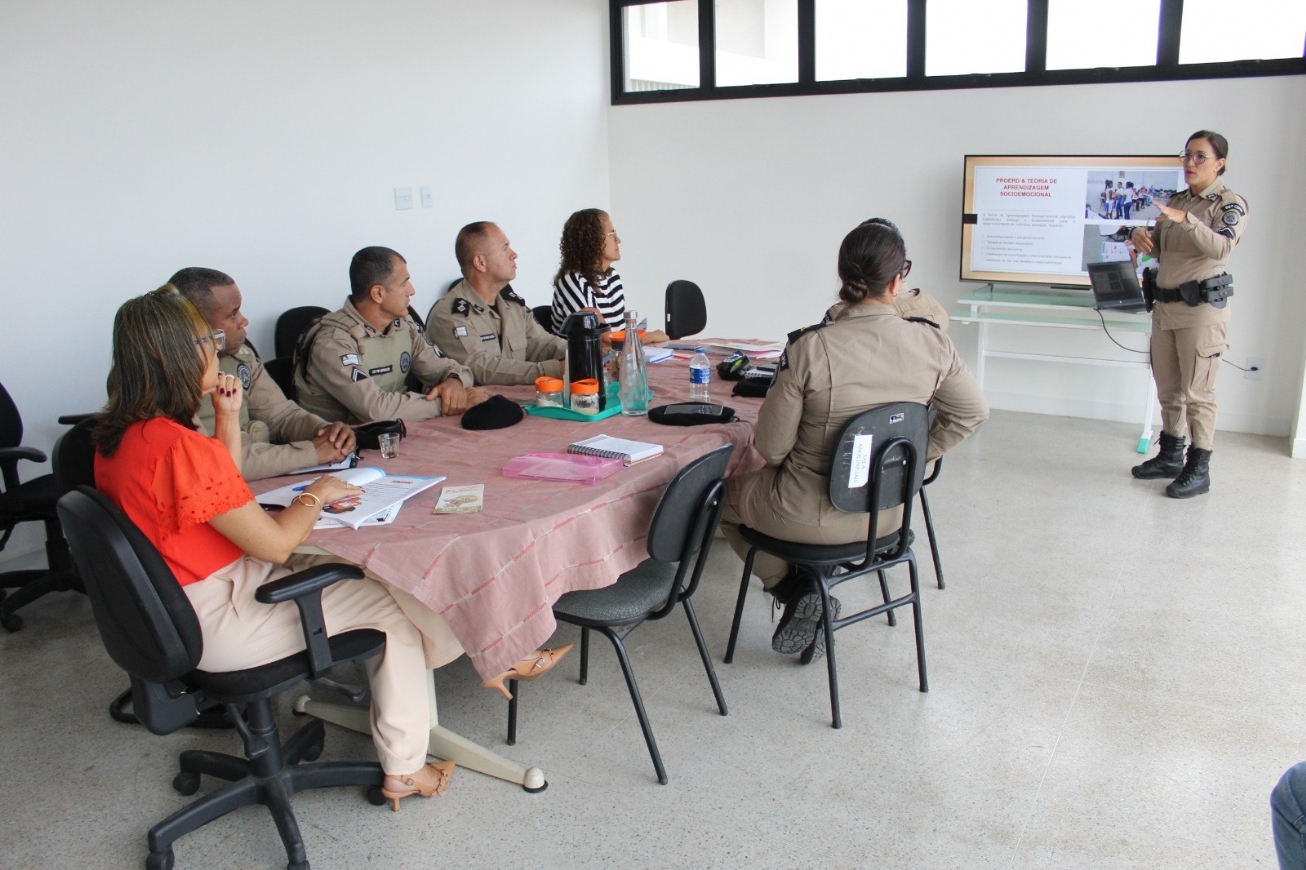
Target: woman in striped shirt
(586, 280)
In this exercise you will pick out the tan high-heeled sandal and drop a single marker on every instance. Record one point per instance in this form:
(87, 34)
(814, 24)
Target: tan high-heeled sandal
(530, 668)
(430, 779)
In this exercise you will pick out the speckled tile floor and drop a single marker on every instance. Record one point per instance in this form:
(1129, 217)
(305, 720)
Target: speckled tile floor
(1116, 680)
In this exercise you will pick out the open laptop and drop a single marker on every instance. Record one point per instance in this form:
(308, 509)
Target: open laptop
(1115, 287)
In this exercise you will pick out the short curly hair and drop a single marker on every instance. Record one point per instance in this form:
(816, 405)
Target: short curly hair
(582, 245)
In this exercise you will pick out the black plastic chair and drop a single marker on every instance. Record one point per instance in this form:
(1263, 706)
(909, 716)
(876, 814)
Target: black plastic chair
(543, 315)
(929, 520)
(686, 310)
(291, 325)
(150, 630)
(416, 318)
(683, 525)
(899, 434)
(282, 372)
(25, 502)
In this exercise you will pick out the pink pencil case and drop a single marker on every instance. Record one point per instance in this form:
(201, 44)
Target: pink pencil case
(562, 466)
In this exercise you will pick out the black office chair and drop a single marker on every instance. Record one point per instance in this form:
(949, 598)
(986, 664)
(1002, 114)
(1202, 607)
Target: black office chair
(686, 310)
(282, 372)
(25, 502)
(291, 325)
(150, 630)
(899, 433)
(683, 525)
(543, 315)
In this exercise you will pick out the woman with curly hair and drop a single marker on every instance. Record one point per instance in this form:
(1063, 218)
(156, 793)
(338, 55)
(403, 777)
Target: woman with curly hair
(586, 280)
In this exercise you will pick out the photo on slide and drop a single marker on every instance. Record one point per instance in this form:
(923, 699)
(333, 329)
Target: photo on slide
(1127, 195)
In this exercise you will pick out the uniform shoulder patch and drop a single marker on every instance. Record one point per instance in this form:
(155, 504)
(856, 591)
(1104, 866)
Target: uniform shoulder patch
(358, 375)
(246, 377)
(922, 320)
(1234, 206)
(349, 359)
(462, 306)
(1229, 218)
(1228, 232)
(511, 295)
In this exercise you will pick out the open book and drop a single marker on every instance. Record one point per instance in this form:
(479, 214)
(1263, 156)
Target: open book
(382, 494)
(608, 447)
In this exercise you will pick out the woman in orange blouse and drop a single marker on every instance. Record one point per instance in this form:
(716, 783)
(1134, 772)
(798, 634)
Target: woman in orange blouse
(184, 491)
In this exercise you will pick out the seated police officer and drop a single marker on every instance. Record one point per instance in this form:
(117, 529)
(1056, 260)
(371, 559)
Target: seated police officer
(353, 364)
(483, 324)
(277, 436)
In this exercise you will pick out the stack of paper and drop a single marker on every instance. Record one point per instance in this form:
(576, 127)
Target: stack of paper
(378, 504)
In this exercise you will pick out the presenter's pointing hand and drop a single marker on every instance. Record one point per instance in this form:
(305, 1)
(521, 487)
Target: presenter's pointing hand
(1171, 214)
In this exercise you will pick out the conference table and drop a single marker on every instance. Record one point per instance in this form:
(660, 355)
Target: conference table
(495, 574)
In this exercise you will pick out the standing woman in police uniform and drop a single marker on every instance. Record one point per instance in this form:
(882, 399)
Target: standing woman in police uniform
(1193, 238)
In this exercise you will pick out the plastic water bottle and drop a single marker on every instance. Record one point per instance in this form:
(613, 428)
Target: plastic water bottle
(634, 372)
(700, 377)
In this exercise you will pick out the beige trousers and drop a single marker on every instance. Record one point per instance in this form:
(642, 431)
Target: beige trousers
(1184, 364)
(751, 502)
(240, 632)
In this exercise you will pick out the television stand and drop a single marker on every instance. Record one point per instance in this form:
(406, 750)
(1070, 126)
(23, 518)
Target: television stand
(1055, 308)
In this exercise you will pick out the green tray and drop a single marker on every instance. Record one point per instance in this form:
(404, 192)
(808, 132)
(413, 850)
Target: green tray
(614, 408)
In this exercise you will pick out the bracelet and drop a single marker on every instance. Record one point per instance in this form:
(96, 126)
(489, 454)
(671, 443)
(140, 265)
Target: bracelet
(317, 502)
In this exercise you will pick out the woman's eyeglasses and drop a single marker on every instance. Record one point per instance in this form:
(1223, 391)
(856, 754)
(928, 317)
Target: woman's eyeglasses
(906, 269)
(219, 339)
(1198, 157)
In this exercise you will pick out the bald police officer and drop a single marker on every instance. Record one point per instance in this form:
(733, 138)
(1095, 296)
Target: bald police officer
(352, 365)
(868, 355)
(483, 324)
(277, 436)
(1193, 239)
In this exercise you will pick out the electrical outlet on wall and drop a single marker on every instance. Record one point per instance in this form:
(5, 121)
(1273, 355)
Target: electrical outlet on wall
(403, 198)
(428, 198)
(1255, 365)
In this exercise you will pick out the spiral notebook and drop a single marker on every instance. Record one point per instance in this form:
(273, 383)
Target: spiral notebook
(608, 447)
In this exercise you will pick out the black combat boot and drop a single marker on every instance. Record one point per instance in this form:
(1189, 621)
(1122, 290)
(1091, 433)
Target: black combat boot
(1195, 479)
(1168, 463)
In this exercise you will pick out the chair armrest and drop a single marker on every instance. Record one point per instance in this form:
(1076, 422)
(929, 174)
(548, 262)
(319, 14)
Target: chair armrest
(309, 580)
(13, 454)
(305, 589)
(74, 419)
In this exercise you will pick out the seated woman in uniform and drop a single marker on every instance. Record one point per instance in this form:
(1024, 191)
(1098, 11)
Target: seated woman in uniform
(586, 280)
(184, 491)
(866, 355)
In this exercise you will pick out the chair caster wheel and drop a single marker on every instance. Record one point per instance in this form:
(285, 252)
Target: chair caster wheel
(159, 860)
(374, 796)
(312, 752)
(186, 783)
(12, 622)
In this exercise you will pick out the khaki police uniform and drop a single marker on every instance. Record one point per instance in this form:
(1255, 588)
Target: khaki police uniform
(869, 355)
(920, 304)
(1187, 340)
(347, 370)
(276, 435)
(500, 343)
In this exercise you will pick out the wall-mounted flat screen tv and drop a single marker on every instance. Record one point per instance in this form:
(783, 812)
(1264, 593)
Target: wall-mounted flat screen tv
(1042, 220)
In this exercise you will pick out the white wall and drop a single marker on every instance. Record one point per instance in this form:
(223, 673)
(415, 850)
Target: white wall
(751, 198)
(264, 139)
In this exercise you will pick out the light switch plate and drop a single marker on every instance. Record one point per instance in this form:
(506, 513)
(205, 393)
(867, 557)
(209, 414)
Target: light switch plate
(428, 198)
(403, 198)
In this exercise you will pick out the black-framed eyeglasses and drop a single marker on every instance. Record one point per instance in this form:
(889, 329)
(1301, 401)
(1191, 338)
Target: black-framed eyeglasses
(905, 270)
(1198, 157)
(219, 339)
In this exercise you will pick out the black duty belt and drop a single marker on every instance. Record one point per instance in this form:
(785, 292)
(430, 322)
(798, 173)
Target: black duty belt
(1213, 290)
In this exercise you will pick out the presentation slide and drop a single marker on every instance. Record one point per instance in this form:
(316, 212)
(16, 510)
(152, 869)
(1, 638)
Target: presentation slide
(1044, 219)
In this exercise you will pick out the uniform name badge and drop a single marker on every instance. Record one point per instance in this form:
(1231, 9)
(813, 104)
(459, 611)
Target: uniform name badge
(859, 470)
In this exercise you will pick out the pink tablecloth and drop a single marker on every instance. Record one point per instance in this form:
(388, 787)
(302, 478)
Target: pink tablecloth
(495, 575)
